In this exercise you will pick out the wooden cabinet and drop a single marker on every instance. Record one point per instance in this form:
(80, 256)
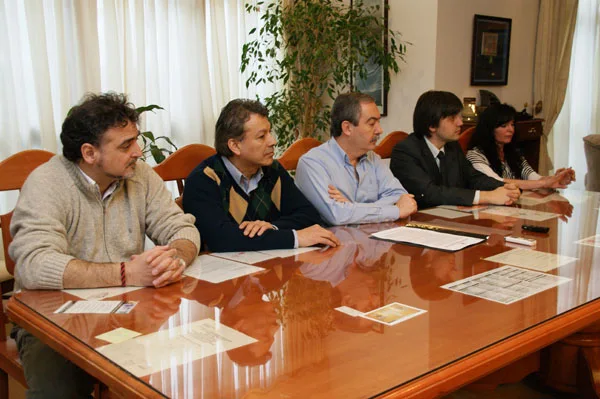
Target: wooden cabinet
(527, 136)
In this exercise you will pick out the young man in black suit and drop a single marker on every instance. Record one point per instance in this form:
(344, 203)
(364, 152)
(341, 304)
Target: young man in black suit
(431, 165)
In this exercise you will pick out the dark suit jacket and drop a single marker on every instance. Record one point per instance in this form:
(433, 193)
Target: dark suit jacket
(414, 165)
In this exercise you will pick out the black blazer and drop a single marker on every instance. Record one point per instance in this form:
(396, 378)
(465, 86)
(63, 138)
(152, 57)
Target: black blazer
(414, 165)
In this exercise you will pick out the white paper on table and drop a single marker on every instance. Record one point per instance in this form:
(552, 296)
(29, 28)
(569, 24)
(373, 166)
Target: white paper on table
(592, 241)
(100, 293)
(252, 257)
(427, 238)
(531, 259)
(216, 270)
(506, 284)
(445, 213)
(393, 313)
(349, 311)
(99, 307)
(118, 335)
(520, 213)
(249, 257)
(173, 347)
(463, 208)
(285, 253)
(530, 198)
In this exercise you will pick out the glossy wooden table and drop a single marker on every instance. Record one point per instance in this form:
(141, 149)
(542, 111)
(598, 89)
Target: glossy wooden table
(306, 348)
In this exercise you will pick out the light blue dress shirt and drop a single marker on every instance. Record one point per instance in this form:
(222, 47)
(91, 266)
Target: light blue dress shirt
(370, 187)
(249, 185)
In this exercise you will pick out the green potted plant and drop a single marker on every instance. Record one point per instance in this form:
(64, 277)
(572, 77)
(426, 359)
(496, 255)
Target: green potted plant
(151, 145)
(314, 48)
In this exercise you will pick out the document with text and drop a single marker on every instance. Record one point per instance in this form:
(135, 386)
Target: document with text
(165, 349)
(529, 198)
(520, 213)
(506, 285)
(531, 259)
(252, 257)
(428, 238)
(444, 213)
(216, 270)
(98, 307)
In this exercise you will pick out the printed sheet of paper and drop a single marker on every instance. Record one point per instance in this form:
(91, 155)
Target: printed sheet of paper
(393, 313)
(520, 213)
(506, 284)
(349, 311)
(593, 241)
(285, 253)
(98, 307)
(118, 335)
(216, 270)
(249, 257)
(531, 259)
(445, 213)
(252, 257)
(167, 348)
(99, 294)
(469, 209)
(427, 238)
(529, 198)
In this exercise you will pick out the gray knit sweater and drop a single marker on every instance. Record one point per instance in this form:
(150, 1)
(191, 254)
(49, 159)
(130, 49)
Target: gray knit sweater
(60, 216)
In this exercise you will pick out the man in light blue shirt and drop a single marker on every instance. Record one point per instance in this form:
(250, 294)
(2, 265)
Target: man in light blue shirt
(343, 178)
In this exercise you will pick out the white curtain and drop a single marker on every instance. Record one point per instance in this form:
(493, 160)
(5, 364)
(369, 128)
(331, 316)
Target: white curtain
(579, 115)
(183, 55)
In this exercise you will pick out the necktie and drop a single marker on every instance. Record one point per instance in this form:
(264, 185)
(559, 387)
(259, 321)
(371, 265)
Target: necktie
(441, 157)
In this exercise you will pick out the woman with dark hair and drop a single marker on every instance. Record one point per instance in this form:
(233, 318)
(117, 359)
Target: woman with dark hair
(492, 152)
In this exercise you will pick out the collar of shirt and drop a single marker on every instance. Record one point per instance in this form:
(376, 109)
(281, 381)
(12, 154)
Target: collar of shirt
(248, 185)
(434, 151)
(340, 154)
(111, 189)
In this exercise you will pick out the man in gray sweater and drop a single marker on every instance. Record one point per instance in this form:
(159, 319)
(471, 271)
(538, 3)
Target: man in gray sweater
(81, 221)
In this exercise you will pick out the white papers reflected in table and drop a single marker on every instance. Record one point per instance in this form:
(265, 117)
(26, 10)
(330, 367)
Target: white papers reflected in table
(593, 241)
(427, 238)
(506, 284)
(520, 213)
(444, 213)
(531, 259)
(100, 293)
(173, 347)
(216, 270)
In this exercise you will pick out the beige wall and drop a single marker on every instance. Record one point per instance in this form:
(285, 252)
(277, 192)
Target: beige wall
(440, 58)
(416, 20)
(454, 42)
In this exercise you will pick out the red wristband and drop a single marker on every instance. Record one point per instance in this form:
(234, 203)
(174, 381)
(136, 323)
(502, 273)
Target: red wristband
(123, 281)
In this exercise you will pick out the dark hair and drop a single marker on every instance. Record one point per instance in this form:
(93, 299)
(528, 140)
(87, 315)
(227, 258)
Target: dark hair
(91, 118)
(431, 108)
(494, 116)
(230, 124)
(346, 107)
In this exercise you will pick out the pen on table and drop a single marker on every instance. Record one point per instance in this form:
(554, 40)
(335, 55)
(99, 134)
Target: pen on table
(65, 306)
(118, 306)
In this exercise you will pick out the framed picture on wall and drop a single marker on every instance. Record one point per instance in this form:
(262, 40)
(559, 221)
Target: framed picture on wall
(374, 83)
(491, 48)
